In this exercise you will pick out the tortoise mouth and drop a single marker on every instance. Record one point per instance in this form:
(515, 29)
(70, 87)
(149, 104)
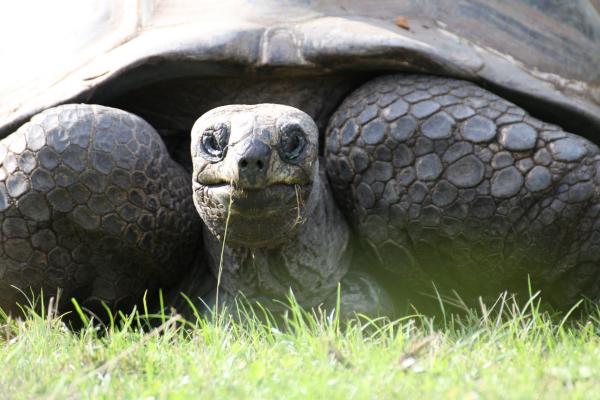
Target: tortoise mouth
(256, 203)
(253, 217)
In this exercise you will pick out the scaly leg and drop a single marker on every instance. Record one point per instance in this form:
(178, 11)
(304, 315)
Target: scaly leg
(90, 202)
(448, 182)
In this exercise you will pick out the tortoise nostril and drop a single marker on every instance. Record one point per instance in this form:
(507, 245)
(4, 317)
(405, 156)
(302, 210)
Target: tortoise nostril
(252, 164)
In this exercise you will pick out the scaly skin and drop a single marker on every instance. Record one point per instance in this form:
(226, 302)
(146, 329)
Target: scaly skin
(443, 180)
(446, 181)
(91, 203)
(292, 238)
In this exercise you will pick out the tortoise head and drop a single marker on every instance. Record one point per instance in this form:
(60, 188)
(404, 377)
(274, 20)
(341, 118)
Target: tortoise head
(254, 171)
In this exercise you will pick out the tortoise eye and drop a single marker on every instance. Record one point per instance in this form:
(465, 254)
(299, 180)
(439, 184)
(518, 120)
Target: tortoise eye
(213, 144)
(292, 143)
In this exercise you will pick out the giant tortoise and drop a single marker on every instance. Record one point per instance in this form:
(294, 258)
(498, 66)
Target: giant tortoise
(383, 145)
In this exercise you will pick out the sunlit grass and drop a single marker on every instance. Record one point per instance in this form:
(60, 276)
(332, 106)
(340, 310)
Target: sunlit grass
(499, 350)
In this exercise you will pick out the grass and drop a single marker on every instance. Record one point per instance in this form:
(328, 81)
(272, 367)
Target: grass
(497, 351)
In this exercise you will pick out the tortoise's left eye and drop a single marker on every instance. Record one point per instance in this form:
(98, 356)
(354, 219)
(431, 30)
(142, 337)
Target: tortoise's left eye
(292, 143)
(213, 144)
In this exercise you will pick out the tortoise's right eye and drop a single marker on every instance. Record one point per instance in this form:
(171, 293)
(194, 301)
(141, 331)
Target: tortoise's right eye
(213, 144)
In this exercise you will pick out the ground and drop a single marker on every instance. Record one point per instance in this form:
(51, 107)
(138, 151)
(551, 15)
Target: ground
(498, 351)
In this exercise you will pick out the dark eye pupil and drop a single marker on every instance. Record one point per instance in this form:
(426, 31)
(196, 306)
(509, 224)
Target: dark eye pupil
(292, 144)
(212, 143)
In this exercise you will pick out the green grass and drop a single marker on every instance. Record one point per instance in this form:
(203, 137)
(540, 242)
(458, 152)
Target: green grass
(498, 351)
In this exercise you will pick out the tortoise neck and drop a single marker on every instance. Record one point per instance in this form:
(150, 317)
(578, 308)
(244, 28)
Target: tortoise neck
(310, 263)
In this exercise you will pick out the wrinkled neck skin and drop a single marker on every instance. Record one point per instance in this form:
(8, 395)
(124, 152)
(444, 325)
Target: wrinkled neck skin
(310, 261)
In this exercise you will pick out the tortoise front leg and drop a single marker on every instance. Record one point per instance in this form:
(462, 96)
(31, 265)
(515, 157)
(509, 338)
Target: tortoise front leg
(448, 182)
(90, 202)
